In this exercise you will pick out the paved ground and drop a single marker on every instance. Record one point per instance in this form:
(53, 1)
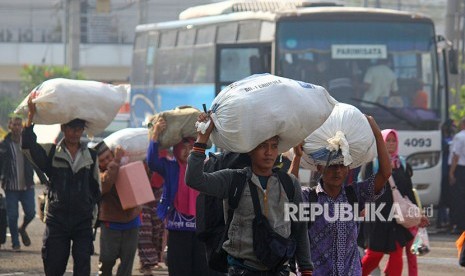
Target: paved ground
(29, 261)
(442, 260)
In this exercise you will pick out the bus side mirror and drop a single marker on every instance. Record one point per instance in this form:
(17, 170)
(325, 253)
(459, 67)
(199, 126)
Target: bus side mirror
(453, 61)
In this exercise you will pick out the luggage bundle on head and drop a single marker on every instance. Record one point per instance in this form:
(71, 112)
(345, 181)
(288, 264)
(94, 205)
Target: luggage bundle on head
(180, 123)
(134, 141)
(346, 137)
(254, 109)
(59, 101)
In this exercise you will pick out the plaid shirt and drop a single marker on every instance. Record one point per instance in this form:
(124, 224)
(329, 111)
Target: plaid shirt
(9, 168)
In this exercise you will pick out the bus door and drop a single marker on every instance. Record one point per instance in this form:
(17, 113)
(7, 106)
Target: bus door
(237, 61)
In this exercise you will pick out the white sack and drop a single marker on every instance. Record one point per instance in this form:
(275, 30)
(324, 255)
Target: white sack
(59, 101)
(134, 141)
(254, 109)
(346, 129)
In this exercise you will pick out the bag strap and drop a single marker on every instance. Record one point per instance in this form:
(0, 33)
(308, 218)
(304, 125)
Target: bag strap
(235, 193)
(236, 188)
(286, 181)
(256, 202)
(43, 178)
(392, 183)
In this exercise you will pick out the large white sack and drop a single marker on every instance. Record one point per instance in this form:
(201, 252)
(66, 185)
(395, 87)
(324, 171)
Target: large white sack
(254, 109)
(134, 141)
(346, 129)
(59, 101)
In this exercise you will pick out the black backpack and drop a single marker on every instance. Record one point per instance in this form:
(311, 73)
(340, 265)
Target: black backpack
(211, 228)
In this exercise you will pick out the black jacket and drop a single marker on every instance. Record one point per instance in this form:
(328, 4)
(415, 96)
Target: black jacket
(72, 194)
(382, 236)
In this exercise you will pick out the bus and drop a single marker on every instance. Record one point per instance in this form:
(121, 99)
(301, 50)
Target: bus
(189, 61)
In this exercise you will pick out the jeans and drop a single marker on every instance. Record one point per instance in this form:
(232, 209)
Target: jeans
(27, 202)
(117, 244)
(62, 238)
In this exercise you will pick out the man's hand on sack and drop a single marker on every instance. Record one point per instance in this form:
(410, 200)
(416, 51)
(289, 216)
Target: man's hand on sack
(32, 109)
(119, 153)
(299, 149)
(204, 118)
(158, 127)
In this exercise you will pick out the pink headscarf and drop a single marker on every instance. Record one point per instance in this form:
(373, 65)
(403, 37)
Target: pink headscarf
(395, 155)
(185, 198)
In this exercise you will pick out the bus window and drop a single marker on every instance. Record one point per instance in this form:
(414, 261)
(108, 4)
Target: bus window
(150, 57)
(165, 67)
(168, 39)
(139, 59)
(249, 31)
(186, 37)
(405, 66)
(206, 35)
(227, 33)
(203, 69)
(182, 66)
(235, 63)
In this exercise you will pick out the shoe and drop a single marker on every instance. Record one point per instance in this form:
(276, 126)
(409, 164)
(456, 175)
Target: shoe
(146, 271)
(157, 267)
(16, 248)
(24, 237)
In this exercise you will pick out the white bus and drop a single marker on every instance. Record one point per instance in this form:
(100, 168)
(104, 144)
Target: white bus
(188, 61)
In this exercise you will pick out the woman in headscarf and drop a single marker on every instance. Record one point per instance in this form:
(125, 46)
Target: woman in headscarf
(186, 254)
(389, 237)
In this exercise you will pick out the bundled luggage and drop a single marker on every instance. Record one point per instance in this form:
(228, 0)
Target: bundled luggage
(134, 141)
(59, 101)
(346, 130)
(180, 124)
(254, 109)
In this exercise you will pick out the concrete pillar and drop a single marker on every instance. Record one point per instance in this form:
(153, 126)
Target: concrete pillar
(74, 35)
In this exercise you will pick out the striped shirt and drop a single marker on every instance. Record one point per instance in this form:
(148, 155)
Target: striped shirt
(19, 157)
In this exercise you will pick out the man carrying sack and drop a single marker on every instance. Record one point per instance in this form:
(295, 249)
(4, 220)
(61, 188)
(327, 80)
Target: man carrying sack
(74, 189)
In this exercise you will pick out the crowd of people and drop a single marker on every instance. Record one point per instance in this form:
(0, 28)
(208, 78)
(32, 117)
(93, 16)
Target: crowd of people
(81, 195)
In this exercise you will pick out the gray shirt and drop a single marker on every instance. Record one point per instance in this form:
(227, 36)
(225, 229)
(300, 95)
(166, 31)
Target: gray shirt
(19, 166)
(272, 200)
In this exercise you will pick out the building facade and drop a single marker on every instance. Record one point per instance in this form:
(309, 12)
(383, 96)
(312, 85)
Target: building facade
(39, 32)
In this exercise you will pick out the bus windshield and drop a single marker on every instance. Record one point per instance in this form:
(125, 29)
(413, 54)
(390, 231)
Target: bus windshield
(385, 69)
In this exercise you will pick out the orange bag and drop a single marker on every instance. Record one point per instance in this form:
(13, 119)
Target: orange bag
(459, 242)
